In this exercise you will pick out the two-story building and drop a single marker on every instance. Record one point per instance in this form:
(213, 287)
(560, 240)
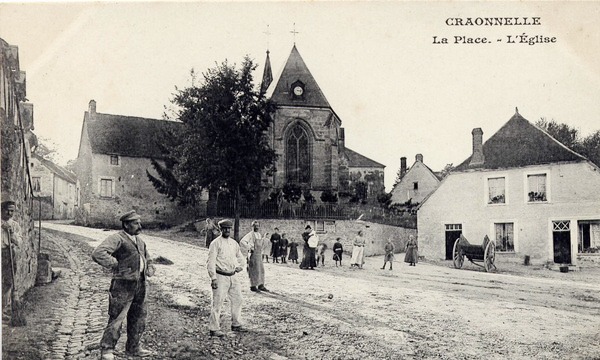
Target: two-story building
(525, 190)
(415, 183)
(56, 188)
(112, 164)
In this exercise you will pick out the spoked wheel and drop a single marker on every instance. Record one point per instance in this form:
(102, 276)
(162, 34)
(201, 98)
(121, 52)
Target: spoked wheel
(457, 255)
(489, 256)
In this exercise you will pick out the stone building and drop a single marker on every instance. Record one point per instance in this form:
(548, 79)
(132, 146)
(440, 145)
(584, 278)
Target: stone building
(308, 137)
(114, 155)
(415, 183)
(17, 141)
(56, 188)
(526, 191)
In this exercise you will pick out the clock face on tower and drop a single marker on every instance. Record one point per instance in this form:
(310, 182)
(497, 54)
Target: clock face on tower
(298, 90)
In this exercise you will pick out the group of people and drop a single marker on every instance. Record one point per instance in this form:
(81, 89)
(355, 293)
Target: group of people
(125, 253)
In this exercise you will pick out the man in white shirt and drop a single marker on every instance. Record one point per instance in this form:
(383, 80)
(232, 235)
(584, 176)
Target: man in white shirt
(225, 261)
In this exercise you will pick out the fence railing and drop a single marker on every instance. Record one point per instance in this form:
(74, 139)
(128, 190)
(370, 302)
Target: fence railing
(316, 211)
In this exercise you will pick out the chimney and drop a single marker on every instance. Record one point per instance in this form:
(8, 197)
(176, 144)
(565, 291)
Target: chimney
(92, 107)
(402, 167)
(419, 158)
(342, 141)
(477, 158)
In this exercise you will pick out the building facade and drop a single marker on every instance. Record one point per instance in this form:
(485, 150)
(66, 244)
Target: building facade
(416, 183)
(18, 140)
(56, 188)
(114, 156)
(308, 137)
(524, 190)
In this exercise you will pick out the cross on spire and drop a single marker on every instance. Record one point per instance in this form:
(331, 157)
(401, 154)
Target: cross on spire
(294, 32)
(268, 33)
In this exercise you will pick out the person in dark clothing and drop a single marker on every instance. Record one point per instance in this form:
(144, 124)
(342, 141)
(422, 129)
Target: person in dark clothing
(338, 251)
(283, 246)
(309, 260)
(275, 245)
(293, 256)
(126, 254)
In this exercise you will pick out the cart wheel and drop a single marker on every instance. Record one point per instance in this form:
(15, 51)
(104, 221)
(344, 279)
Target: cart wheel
(457, 255)
(489, 256)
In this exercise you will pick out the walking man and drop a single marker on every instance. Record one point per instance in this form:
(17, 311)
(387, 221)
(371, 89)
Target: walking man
(389, 254)
(253, 244)
(225, 261)
(11, 238)
(126, 255)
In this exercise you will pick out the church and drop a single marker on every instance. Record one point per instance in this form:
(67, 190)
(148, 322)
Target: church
(308, 138)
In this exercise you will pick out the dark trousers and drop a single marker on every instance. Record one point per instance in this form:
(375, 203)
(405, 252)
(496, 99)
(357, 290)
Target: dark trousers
(7, 279)
(125, 300)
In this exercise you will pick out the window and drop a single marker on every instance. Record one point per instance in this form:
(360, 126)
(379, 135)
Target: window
(536, 188)
(505, 237)
(496, 190)
(453, 227)
(36, 183)
(297, 162)
(589, 236)
(416, 185)
(114, 160)
(106, 188)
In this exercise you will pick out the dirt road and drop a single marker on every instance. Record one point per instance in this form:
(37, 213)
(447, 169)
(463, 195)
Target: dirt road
(418, 312)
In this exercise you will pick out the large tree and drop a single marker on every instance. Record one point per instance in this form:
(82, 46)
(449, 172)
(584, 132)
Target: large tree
(587, 146)
(223, 144)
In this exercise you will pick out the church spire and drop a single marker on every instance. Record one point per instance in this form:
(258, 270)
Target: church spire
(267, 75)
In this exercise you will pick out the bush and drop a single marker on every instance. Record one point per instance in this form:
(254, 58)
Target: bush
(328, 196)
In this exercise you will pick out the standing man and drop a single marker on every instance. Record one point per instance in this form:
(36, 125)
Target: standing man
(126, 254)
(389, 254)
(276, 245)
(225, 260)
(11, 238)
(253, 243)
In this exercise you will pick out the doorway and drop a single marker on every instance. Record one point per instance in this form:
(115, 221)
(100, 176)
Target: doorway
(453, 232)
(561, 237)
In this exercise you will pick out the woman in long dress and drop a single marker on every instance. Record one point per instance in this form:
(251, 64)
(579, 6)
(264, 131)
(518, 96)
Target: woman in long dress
(358, 251)
(412, 248)
(309, 260)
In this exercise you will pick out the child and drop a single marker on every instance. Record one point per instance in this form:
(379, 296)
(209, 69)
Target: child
(321, 253)
(267, 248)
(293, 252)
(283, 245)
(389, 254)
(338, 250)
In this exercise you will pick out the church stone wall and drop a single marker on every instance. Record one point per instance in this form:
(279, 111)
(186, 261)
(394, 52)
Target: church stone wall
(322, 132)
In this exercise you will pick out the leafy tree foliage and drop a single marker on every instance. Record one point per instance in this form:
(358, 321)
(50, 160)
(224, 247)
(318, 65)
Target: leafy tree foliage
(588, 146)
(328, 196)
(223, 144)
(384, 199)
(291, 193)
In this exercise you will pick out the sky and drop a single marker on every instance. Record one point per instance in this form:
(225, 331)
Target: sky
(395, 90)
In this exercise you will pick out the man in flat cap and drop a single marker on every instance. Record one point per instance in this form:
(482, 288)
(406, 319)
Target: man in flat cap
(11, 239)
(253, 244)
(225, 261)
(126, 255)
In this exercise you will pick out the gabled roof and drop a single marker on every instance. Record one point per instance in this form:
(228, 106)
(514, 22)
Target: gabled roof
(56, 169)
(357, 160)
(126, 135)
(519, 143)
(296, 70)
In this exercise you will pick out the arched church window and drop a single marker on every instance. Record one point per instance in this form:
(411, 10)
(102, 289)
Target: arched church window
(298, 156)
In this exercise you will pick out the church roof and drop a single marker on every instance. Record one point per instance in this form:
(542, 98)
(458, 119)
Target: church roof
(126, 135)
(357, 160)
(519, 143)
(56, 169)
(296, 70)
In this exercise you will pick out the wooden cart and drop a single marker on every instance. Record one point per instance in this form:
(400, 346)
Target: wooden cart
(485, 253)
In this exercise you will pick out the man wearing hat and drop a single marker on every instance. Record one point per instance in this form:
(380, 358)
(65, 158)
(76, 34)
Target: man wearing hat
(253, 243)
(11, 238)
(126, 255)
(225, 261)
